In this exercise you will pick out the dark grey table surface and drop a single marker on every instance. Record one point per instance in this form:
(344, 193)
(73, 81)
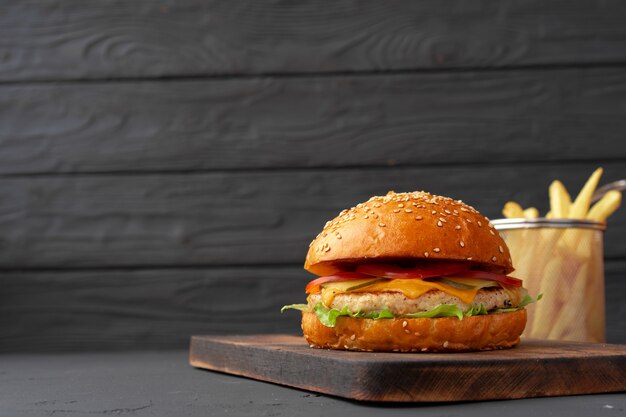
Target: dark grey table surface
(163, 384)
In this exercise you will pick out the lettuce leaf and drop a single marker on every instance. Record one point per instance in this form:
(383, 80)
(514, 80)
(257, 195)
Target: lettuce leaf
(328, 316)
(301, 307)
(442, 310)
(478, 310)
(525, 301)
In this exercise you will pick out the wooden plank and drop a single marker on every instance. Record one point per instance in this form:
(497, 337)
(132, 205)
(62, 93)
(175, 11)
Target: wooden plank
(237, 218)
(397, 377)
(115, 38)
(143, 309)
(381, 120)
(615, 289)
(160, 308)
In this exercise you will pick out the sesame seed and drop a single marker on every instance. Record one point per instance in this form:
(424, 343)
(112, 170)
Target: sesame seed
(418, 218)
(417, 334)
(382, 224)
(433, 212)
(462, 244)
(479, 224)
(404, 323)
(401, 205)
(353, 337)
(468, 220)
(447, 211)
(426, 255)
(366, 217)
(345, 347)
(469, 258)
(491, 231)
(436, 250)
(501, 249)
(457, 227)
(494, 259)
(327, 249)
(445, 344)
(312, 346)
(396, 211)
(376, 205)
(439, 223)
(441, 219)
(408, 211)
(424, 349)
(407, 331)
(338, 236)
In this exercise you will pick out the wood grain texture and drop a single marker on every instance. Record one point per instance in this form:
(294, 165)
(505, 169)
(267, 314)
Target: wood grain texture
(95, 39)
(43, 311)
(237, 218)
(163, 165)
(615, 289)
(143, 309)
(379, 120)
(533, 369)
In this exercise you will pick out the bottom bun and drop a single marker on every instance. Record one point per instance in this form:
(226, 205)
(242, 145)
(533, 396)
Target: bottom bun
(446, 334)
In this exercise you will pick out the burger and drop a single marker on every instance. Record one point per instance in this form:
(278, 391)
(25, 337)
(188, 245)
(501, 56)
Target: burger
(412, 272)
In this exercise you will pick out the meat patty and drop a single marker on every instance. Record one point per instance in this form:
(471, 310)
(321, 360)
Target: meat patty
(399, 304)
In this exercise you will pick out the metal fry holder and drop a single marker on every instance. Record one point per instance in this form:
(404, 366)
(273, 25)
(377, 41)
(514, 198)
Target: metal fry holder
(562, 259)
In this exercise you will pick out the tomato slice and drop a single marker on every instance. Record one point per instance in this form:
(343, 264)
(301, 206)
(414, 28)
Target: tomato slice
(513, 282)
(437, 269)
(314, 285)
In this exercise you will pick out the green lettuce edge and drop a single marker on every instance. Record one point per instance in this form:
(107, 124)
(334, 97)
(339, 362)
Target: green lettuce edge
(525, 301)
(328, 316)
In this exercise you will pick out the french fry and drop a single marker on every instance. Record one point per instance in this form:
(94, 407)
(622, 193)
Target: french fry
(566, 265)
(595, 321)
(552, 301)
(605, 207)
(560, 200)
(563, 326)
(580, 207)
(573, 238)
(512, 210)
(531, 213)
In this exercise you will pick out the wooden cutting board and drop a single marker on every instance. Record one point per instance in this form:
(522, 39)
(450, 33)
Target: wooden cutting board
(536, 368)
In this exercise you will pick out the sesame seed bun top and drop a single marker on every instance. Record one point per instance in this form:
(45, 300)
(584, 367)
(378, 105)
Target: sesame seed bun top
(408, 226)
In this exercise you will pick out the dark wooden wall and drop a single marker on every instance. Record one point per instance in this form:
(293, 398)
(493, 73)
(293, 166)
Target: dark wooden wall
(164, 164)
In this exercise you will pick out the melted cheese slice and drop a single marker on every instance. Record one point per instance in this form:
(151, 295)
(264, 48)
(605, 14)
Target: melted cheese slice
(412, 288)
